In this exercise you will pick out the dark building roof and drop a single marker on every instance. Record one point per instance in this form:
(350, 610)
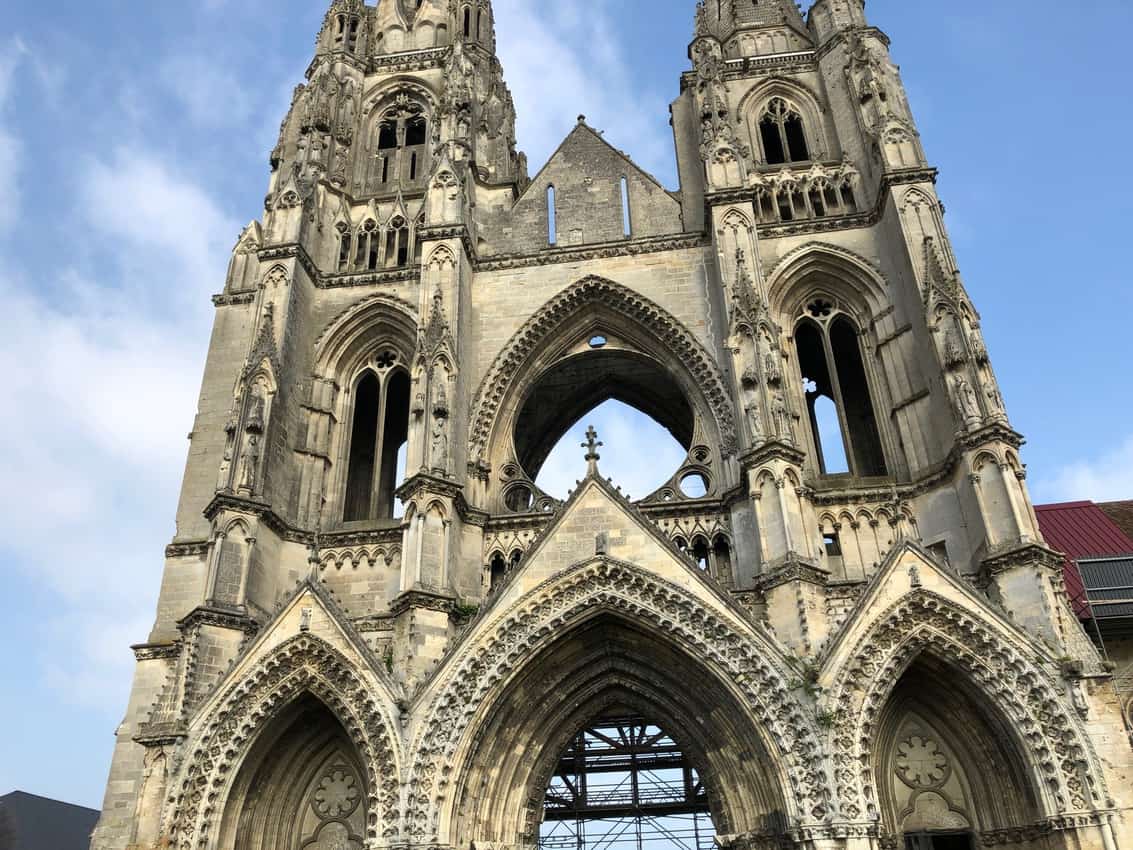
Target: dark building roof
(1122, 515)
(28, 822)
(1081, 530)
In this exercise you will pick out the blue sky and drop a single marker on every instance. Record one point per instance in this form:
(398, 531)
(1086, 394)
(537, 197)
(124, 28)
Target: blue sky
(133, 147)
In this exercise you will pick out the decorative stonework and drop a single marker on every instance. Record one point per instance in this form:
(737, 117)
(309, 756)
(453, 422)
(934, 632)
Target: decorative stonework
(472, 675)
(305, 664)
(926, 622)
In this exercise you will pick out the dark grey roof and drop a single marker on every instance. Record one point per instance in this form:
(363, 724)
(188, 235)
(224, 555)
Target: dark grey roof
(28, 822)
(1109, 585)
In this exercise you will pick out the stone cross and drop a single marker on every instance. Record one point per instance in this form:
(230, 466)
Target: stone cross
(592, 445)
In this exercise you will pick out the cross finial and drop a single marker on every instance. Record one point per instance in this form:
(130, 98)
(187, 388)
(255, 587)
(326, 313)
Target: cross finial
(592, 445)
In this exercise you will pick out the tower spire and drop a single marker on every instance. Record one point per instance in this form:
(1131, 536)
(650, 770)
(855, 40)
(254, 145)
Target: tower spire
(752, 27)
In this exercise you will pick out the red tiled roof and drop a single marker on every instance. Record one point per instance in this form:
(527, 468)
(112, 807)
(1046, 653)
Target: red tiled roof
(1081, 530)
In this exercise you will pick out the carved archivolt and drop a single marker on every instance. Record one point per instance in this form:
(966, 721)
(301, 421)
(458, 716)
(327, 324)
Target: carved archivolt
(849, 274)
(746, 658)
(303, 665)
(1059, 756)
(356, 327)
(613, 297)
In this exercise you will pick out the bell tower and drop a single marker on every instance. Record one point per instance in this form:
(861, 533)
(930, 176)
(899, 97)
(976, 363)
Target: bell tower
(376, 629)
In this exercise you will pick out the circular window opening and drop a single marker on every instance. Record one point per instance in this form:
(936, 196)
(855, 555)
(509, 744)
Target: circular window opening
(694, 486)
(598, 341)
(519, 500)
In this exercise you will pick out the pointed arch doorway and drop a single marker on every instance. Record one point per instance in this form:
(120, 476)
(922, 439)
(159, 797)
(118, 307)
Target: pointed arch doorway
(624, 783)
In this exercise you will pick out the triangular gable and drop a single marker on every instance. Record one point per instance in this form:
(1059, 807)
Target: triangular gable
(910, 569)
(583, 136)
(310, 610)
(597, 520)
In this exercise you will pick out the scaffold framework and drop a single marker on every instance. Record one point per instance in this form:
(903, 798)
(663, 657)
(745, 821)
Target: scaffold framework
(625, 784)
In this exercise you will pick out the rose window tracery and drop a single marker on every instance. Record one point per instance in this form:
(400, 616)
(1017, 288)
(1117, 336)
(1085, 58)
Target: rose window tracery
(920, 763)
(338, 795)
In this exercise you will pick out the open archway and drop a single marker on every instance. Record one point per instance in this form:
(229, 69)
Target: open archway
(302, 787)
(597, 342)
(700, 756)
(948, 768)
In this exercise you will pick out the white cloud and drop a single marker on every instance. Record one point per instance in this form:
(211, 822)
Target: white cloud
(212, 95)
(1104, 478)
(104, 375)
(562, 60)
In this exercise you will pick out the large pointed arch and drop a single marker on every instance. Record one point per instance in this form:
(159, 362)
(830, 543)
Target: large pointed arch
(303, 665)
(822, 265)
(1064, 771)
(718, 642)
(672, 342)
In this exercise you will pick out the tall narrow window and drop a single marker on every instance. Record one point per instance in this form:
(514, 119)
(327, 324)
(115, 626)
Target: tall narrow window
(343, 247)
(467, 22)
(552, 224)
(363, 448)
(397, 243)
(395, 432)
(627, 224)
(352, 35)
(782, 133)
(842, 421)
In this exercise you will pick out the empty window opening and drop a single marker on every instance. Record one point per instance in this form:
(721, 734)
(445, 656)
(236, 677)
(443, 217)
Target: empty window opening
(700, 554)
(694, 486)
(416, 132)
(363, 446)
(343, 247)
(627, 225)
(598, 341)
(842, 422)
(352, 37)
(782, 133)
(467, 22)
(833, 545)
(551, 216)
(639, 410)
(397, 243)
(624, 784)
(497, 571)
(339, 29)
(869, 459)
(387, 136)
(722, 554)
(379, 434)
(519, 500)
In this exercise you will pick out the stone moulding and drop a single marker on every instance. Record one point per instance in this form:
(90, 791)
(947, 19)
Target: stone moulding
(1056, 749)
(612, 296)
(304, 664)
(468, 680)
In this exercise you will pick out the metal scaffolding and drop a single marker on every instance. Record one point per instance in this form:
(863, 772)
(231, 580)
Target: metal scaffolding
(624, 784)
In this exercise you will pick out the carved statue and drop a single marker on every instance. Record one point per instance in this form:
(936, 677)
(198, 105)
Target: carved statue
(966, 396)
(771, 368)
(781, 417)
(250, 463)
(438, 453)
(754, 421)
(222, 480)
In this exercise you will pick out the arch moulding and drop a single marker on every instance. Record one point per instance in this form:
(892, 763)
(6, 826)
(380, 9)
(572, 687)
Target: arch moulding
(612, 297)
(302, 665)
(1060, 760)
(469, 681)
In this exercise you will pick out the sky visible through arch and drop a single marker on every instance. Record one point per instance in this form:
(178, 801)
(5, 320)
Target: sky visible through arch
(133, 148)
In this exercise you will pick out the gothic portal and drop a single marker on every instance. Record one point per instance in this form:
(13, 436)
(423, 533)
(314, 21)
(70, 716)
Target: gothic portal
(836, 625)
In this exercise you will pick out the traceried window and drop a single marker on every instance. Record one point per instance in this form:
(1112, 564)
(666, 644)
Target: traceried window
(366, 246)
(343, 246)
(400, 149)
(782, 133)
(379, 430)
(397, 243)
(840, 409)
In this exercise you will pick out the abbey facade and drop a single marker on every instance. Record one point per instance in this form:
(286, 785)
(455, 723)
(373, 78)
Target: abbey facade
(839, 607)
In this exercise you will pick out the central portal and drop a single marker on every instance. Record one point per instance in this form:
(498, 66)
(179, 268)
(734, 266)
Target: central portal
(624, 784)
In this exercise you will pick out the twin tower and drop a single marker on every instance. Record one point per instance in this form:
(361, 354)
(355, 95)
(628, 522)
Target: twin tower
(375, 630)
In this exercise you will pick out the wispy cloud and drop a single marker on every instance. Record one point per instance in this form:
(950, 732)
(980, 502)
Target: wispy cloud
(1102, 478)
(105, 373)
(564, 59)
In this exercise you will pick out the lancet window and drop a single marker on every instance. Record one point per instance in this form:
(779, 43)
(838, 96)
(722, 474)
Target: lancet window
(840, 409)
(782, 133)
(379, 430)
(400, 148)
